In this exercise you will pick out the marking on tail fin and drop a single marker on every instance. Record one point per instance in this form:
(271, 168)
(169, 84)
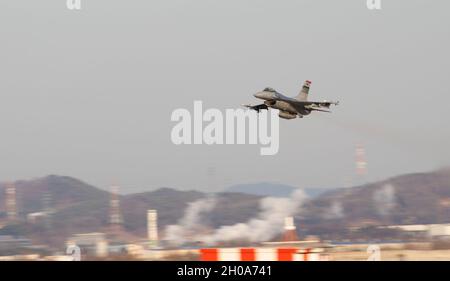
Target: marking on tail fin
(303, 95)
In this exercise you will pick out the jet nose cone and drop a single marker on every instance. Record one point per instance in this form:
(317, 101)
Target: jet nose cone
(258, 95)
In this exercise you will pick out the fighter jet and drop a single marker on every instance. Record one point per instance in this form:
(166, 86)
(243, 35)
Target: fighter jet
(290, 108)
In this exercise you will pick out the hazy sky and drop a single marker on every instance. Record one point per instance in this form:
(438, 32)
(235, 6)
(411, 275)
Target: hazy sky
(89, 93)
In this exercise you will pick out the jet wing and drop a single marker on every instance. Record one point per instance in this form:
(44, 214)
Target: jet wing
(320, 103)
(311, 105)
(313, 108)
(258, 107)
(319, 106)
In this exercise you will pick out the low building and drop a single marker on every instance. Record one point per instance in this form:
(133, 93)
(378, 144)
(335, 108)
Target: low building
(8, 242)
(425, 230)
(37, 217)
(90, 243)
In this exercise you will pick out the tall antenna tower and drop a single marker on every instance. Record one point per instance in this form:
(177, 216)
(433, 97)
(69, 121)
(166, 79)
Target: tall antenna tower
(115, 218)
(361, 162)
(11, 202)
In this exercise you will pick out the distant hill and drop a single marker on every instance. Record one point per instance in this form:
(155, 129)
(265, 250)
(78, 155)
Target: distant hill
(79, 208)
(418, 198)
(274, 189)
(62, 192)
(171, 205)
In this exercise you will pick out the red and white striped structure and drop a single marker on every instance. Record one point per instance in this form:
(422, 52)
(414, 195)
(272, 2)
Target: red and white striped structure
(360, 159)
(259, 254)
(290, 233)
(115, 217)
(11, 201)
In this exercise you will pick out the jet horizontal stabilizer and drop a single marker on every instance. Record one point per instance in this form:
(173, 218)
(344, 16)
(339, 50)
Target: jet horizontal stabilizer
(258, 107)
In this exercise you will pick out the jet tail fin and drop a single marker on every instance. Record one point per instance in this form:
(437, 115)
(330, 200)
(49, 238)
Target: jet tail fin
(303, 95)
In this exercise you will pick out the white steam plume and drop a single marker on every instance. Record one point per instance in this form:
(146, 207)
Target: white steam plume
(189, 224)
(266, 226)
(336, 211)
(384, 199)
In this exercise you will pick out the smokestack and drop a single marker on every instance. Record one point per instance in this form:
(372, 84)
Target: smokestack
(290, 233)
(152, 227)
(11, 204)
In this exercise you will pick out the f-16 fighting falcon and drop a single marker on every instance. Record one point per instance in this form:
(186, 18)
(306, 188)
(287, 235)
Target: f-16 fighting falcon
(290, 108)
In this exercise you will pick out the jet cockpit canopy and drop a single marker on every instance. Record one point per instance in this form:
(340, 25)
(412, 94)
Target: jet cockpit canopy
(268, 89)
